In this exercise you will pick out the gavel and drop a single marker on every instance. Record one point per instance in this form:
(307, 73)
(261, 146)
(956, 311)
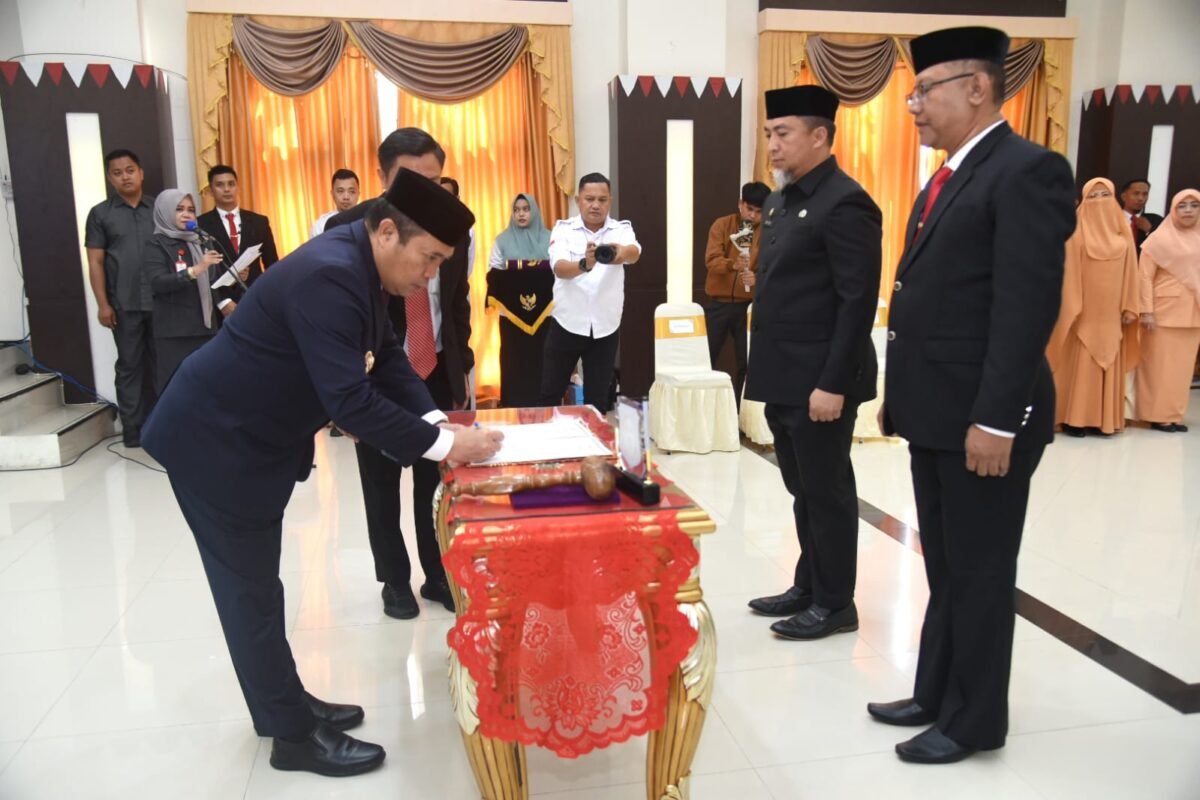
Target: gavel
(595, 474)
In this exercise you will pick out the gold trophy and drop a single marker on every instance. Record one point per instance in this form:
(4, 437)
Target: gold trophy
(742, 240)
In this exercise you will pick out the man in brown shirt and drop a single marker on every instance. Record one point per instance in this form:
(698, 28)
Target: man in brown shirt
(730, 283)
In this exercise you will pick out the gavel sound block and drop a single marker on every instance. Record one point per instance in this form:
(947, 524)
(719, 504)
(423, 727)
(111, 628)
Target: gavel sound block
(594, 474)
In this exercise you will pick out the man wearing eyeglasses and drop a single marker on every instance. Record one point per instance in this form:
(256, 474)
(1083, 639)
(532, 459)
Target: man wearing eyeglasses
(975, 300)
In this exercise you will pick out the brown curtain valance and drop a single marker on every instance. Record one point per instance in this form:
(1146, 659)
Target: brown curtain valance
(856, 73)
(441, 71)
(1021, 65)
(289, 62)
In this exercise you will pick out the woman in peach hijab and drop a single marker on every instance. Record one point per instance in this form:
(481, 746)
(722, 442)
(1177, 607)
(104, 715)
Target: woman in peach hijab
(1170, 270)
(1095, 341)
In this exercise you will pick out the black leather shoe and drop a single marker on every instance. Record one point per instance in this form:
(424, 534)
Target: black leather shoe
(1165, 427)
(901, 712)
(337, 716)
(327, 752)
(1177, 428)
(439, 592)
(398, 601)
(817, 622)
(932, 747)
(793, 601)
(1073, 432)
(132, 439)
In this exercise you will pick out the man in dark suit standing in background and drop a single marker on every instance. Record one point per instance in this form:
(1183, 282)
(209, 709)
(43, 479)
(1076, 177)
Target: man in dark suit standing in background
(1134, 195)
(812, 360)
(236, 228)
(976, 297)
(434, 327)
(234, 430)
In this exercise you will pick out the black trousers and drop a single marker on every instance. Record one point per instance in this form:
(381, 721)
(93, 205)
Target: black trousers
(135, 372)
(724, 320)
(241, 559)
(169, 353)
(814, 458)
(970, 534)
(380, 478)
(563, 349)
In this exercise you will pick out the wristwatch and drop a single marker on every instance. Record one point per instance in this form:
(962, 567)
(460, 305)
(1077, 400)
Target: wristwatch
(583, 265)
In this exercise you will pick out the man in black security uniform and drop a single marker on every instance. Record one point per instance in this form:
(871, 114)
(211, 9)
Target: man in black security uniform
(976, 297)
(234, 430)
(812, 361)
(436, 339)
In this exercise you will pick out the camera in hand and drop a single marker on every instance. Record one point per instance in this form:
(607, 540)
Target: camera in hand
(606, 253)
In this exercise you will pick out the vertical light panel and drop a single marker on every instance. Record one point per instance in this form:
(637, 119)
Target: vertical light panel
(1162, 139)
(88, 183)
(680, 146)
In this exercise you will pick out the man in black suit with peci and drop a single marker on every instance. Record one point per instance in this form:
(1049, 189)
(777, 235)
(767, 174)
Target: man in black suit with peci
(976, 297)
(234, 430)
(812, 361)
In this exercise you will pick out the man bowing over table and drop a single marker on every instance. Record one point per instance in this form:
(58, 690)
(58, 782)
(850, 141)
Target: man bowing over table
(234, 430)
(967, 383)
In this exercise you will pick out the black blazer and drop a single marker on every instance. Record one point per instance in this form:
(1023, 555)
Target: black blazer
(177, 310)
(819, 262)
(976, 298)
(456, 356)
(237, 420)
(256, 229)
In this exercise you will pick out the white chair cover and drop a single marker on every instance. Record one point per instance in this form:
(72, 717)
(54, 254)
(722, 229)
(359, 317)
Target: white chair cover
(692, 406)
(753, 415)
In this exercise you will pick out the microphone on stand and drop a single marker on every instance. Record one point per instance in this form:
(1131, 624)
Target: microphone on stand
(208, 239)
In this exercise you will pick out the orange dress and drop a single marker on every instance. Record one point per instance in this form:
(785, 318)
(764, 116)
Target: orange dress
(1091, 350)
(1170, 287)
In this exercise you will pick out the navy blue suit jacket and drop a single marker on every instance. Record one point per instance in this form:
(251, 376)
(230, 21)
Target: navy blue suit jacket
(236, 422)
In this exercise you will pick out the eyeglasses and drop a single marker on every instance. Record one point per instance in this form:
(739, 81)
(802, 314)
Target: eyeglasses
(921, 89)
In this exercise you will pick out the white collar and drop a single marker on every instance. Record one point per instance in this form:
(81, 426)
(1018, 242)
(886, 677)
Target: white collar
(609, 222)
(236, 211)
(955, 161)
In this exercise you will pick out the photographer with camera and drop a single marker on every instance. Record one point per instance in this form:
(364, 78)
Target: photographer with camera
(588, 253)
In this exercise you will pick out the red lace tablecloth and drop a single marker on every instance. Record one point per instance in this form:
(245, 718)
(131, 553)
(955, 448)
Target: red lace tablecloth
(572, 629)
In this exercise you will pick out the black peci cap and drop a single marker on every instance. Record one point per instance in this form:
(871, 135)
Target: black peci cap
(959, 44)
(438, 212)
(801, 101)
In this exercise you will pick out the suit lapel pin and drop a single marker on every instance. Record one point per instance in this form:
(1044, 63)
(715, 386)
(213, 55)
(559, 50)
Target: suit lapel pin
(803, 213)
(370, 361)
(771, 213)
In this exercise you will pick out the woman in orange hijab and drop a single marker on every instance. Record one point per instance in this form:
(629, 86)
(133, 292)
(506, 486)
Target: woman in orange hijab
(1170, 270)
(1095, 341)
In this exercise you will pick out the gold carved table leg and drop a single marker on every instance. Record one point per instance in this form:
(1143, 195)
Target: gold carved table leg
(672, 748)
(499, 766)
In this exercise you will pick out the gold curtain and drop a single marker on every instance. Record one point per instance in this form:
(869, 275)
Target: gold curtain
(780, 59)
(551, 120)
(487, 148)
(286, 149)
(877, 145)
(1056, 66)
(210, 41)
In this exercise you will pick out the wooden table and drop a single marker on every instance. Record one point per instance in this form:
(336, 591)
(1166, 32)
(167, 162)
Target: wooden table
(500, 766)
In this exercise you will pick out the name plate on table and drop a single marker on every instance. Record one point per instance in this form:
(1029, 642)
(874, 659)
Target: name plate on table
(633, 444)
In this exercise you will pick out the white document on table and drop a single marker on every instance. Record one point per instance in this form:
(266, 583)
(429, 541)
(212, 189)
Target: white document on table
(557, 440)
(248, 257)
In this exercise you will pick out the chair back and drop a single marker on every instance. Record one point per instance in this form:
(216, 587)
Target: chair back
(680, 339)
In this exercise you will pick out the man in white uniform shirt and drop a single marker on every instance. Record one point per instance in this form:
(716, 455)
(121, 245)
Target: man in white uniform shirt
(344, 190)
(589, 294)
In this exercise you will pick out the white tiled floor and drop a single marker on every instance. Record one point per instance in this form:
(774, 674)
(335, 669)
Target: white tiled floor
(115, 681)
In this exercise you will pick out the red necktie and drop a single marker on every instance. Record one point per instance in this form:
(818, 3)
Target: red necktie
(422, 349)
(935, 188)
(1133, 224)
(233, 233)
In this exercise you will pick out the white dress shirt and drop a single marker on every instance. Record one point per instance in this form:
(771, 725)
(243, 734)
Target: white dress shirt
(318, 227)
(954, 162)
(589, 304)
